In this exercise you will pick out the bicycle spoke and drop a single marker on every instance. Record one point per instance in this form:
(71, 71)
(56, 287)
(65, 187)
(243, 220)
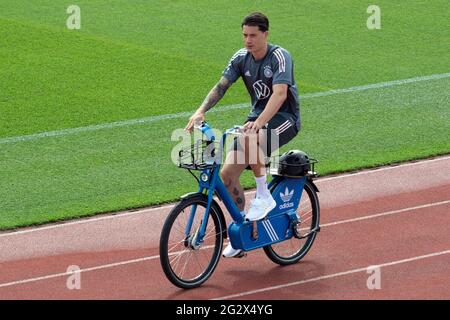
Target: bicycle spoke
(291, 244)
(208, 232)
(302, 207)
(202, 253)
(179, 226)
(176, 255)
(198, 262)
(176, 244)
(307, 219)
(186, 263)
(213, 235)
(305, 213)
(177, 259)
(180, 230)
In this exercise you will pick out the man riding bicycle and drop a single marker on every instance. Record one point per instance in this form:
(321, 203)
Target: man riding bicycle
(268, 73)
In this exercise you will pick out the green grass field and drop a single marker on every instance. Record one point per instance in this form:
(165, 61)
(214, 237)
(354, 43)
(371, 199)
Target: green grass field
(137, 59)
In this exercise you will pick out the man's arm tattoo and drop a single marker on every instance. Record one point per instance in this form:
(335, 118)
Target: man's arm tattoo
(216, 94)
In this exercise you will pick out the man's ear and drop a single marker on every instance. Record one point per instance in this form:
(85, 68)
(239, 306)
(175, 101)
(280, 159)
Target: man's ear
(266, 34)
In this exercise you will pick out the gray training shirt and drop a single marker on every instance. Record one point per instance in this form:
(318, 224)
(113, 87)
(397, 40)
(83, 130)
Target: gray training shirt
(259, 76)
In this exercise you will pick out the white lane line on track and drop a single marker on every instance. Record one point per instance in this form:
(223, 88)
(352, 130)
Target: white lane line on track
(334, 275)
(57, 275)
(9, 284)
(388, 213)
(169, 206)
(151, 119)
(389, 167)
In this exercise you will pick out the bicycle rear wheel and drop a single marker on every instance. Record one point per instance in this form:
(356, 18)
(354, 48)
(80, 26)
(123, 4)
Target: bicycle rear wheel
(186, 265)
(293, 250)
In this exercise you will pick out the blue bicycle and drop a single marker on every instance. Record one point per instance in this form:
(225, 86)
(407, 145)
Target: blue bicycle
(193, 233)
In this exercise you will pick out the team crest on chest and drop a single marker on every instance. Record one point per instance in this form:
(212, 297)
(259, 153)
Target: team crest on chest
(268, 72)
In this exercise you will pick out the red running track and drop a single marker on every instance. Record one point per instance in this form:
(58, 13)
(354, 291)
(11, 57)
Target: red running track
(396, 218)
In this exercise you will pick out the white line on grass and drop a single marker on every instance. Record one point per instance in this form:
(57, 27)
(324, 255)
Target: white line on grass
(377, 85)
(121, 263)
(168, 206)
(334, 275)
(111, 125)
(151, 119)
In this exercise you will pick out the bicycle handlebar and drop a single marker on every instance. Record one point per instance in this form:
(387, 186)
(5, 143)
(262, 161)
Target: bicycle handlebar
(236, 130)
(207, 131)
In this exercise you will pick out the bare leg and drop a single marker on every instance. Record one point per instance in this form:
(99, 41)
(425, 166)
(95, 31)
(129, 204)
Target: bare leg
(230, 174)
(255, 145)
(237, 161)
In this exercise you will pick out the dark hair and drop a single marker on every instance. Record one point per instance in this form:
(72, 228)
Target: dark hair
(256, 19)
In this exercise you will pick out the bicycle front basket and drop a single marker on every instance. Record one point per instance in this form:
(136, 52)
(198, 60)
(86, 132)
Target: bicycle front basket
(200, 155)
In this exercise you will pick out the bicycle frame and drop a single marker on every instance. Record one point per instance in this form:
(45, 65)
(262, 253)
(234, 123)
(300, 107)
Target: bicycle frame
(211, 182)
(275, 228)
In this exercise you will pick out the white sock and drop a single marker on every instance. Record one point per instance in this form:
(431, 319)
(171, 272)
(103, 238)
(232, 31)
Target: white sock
(261, 187)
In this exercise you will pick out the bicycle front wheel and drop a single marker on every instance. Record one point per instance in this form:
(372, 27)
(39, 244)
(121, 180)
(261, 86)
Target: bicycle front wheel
(294, 249)
(185, 264)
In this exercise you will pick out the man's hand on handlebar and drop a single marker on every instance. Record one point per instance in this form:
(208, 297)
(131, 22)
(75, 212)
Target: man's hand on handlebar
(252, 127)
(196, 118)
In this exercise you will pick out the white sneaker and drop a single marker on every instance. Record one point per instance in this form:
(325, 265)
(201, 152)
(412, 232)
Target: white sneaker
(230, 252)
(260, 208)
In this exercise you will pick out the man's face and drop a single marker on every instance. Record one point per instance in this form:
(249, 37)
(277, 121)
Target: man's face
(254, 39)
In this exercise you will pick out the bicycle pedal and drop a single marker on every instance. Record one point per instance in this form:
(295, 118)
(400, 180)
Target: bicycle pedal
(241, 254)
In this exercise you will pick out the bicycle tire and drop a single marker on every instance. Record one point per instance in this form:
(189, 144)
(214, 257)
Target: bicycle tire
(276, 257)
(164, 247)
